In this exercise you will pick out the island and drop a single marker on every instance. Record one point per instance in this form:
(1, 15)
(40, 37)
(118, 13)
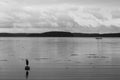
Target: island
(60, 34)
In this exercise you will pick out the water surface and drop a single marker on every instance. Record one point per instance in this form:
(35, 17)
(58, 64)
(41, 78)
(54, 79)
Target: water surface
(60, 58)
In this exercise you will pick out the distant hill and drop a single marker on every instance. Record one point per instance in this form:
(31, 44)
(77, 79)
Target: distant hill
(59, 34)
(45, 34)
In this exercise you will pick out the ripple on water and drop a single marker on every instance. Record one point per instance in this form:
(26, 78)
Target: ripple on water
(4, 60)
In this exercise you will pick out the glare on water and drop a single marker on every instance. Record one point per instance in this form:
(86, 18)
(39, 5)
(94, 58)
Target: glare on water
(60, 58)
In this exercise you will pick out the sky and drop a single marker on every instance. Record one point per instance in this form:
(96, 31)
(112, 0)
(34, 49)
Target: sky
(71, 15)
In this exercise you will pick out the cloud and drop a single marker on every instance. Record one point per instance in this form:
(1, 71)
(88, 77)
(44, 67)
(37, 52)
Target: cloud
(115, 14)
(79, 2)
(63, 16)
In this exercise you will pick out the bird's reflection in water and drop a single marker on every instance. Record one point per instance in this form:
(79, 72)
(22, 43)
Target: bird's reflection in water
(27, 74)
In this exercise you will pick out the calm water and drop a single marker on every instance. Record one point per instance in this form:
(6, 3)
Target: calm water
(60, 58)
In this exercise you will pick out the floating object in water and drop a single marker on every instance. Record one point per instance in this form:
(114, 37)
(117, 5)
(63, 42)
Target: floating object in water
(27, 68)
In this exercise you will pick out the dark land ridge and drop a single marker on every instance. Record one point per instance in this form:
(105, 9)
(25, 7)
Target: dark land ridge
(59, 34)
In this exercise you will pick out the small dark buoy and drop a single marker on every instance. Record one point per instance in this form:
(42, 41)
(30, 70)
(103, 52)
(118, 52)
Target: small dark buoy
(27, 68)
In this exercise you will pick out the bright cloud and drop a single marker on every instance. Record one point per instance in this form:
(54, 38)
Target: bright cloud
(90, 17)
(57, 16)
